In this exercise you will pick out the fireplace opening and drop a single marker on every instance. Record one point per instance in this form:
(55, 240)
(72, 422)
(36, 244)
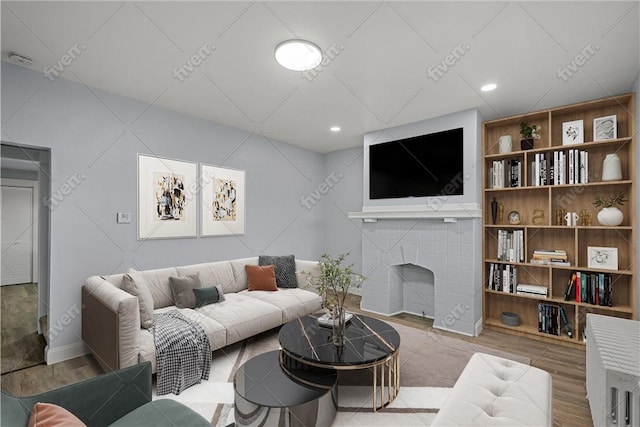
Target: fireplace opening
(412, 290)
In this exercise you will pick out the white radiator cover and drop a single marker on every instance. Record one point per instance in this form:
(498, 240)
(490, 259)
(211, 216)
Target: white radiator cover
(613, 365)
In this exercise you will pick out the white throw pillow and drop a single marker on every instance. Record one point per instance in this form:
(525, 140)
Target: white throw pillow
(136, 285)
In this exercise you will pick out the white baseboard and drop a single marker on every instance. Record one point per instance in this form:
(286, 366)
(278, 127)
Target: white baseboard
(65, 352)
(453, 330)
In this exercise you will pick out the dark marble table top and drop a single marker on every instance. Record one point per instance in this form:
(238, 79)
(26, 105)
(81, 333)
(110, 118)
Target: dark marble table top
(367, 341)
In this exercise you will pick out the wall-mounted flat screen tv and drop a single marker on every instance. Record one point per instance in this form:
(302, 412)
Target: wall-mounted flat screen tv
(421, 166)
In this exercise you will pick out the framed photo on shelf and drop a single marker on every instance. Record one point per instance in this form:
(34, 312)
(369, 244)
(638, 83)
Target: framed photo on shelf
(165, 208)
(605, 128)
(602, 258)
(223, 201)
(573, 132)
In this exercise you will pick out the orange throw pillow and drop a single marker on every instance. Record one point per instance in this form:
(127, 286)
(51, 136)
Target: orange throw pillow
(50, 415)
(261, 278)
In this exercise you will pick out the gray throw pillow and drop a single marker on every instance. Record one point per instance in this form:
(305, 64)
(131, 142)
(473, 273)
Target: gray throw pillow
(285, 268)
(182, 290)
(136, 285)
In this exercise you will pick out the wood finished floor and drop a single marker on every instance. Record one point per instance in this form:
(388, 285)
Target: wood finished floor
(566, 366)
(20, 346)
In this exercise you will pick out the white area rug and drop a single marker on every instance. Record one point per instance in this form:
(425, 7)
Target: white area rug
(430, 364)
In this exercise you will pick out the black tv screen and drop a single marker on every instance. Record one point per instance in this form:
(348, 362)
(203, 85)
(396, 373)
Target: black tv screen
(421, 166)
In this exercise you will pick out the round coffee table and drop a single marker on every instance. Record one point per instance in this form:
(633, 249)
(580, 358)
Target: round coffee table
(271, 391)
(369, 343)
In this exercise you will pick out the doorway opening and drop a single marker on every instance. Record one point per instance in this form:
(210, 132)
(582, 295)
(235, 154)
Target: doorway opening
(24, 275)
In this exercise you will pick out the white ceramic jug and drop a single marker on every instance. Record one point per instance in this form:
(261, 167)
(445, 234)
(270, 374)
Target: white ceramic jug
(611, 168)
(505, 144)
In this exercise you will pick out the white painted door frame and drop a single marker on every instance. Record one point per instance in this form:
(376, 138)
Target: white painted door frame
(35, 209)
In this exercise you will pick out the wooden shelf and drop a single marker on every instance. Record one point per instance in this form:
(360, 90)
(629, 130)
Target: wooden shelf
(531, 200)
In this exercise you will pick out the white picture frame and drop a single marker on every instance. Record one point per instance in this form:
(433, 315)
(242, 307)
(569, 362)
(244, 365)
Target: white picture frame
(573, 132)
(605, 128)
(167, 206)
(602, 258)
(223, 201)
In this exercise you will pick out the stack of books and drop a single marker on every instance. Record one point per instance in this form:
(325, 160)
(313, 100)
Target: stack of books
(550, 257)
(327, 321)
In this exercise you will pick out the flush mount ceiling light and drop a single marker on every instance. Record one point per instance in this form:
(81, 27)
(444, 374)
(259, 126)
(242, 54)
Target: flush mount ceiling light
(298, 55)
(488, 87)
(334, 128)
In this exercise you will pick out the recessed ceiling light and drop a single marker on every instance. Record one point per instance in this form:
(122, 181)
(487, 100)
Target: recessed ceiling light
(334, 128)
(16, 58)
(488, 87)
(298, 55)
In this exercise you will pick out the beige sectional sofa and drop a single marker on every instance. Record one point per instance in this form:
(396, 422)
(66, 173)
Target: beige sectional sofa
(111, 317)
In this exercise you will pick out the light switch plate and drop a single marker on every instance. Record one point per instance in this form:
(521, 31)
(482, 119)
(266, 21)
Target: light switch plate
(124, 217)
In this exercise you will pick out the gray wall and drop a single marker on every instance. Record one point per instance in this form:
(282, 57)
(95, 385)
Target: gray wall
(94, 139)
(636, 88)
(343, 172)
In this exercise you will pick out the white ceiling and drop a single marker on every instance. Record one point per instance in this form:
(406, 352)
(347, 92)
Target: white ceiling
(378, 78)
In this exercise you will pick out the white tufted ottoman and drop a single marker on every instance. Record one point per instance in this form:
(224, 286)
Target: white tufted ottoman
(493, 391)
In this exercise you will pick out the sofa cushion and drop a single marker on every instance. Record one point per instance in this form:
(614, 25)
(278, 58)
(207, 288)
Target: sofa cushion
(136, 284)
(285, 267)
(183, 288)
(162, 412)
(211, 273)
(208, 295)
(294, 303)
(239, 273)
(242, 316)
(261, 278)
(50, 415)
(158, 282)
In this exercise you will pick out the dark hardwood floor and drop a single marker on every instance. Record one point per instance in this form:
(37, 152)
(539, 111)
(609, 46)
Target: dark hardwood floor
(565, 364)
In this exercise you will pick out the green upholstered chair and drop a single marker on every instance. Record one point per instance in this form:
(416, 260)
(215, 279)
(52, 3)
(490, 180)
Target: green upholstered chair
(120, 398)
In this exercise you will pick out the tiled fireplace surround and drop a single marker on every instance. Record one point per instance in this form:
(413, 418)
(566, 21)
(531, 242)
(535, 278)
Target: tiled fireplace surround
(394, 252)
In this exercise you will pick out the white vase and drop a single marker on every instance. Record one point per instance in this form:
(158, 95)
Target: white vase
(611, 168)
(505, 144)
(610, 216)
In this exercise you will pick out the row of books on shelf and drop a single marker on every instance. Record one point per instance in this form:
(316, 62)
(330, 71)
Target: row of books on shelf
(550, 257)
(556, 168)
(506, 173)
(560, 168)
(503, 277)
(551, 318)
(511, 245)
(590, 288)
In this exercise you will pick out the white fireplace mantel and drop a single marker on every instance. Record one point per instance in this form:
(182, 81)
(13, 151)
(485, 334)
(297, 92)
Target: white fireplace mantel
(445, 211)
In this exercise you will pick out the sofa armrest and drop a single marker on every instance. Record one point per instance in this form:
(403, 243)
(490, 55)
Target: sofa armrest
(110, 323)
(98, 401)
